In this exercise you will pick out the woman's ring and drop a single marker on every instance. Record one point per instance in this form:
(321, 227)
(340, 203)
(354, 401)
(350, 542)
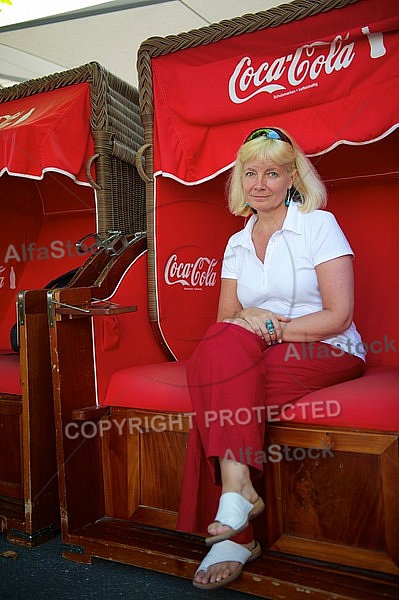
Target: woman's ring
(270, 326)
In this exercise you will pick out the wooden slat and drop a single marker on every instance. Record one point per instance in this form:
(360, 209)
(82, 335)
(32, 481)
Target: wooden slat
(271, 576)
(339, 440)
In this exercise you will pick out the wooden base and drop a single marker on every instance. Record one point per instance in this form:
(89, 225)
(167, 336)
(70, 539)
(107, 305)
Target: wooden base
(342, 505)
(272, 576)
(29, 504)
(13, 524)
(134, 518)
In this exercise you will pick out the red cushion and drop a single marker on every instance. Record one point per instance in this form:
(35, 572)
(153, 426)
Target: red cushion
(9, 373)
(370, 402)
(161, 386)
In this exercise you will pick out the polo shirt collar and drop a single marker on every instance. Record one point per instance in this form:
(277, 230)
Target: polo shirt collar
(292, 222)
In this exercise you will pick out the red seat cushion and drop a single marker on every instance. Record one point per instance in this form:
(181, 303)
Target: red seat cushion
(9, 373)
(370, 402)
(161, 386)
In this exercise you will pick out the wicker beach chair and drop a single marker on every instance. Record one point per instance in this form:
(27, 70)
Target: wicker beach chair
(68, 145)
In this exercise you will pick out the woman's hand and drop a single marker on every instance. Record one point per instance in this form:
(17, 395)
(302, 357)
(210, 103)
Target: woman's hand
(264, 323)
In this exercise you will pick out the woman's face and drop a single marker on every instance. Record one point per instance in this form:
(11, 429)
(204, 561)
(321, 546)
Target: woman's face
(265, 184)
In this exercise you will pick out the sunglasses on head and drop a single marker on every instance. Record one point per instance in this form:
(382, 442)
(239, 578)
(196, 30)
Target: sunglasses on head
(268, 133)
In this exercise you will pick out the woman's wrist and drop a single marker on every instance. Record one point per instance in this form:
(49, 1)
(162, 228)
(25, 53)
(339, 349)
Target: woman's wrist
(240, 314)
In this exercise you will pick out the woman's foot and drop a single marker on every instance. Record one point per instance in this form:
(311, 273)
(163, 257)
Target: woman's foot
(235, 510)
(215, 572)
(233, 516)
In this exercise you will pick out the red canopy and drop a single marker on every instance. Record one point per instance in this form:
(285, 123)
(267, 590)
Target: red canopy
(328, 79)
(49, 131)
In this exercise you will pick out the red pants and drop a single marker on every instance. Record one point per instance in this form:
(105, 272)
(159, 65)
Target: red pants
(233, 377)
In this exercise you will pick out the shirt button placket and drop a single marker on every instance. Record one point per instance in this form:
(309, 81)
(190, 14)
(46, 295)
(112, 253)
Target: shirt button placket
(268, 255)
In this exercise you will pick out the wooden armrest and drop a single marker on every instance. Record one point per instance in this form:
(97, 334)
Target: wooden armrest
(99, 308)
(90, 413)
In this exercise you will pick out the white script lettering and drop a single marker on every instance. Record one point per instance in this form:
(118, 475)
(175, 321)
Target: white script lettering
(196, 274)
(307, 63)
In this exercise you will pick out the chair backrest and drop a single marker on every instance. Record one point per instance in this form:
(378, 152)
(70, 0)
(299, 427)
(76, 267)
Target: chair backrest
(363, 186)
(46, 218)
(192, 225)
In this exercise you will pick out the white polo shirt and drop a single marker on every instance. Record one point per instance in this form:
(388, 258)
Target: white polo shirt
(286, 282)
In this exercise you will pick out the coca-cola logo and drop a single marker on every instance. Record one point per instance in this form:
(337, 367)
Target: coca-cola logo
(302, 68)
(15, 119)
(191, 275)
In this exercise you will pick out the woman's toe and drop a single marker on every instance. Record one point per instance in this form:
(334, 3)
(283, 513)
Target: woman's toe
(216, 528)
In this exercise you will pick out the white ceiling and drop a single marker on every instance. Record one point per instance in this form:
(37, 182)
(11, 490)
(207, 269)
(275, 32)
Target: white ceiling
(111, 38)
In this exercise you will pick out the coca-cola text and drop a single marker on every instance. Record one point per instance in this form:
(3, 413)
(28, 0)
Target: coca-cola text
(200, 273)
(305, 64)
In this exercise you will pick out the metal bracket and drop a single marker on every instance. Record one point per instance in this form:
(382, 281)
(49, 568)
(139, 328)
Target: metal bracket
(20, 308)
(78, 308)
(51, 304)
(36, 535)
(72, 549)
(50, 308)
(106, 243)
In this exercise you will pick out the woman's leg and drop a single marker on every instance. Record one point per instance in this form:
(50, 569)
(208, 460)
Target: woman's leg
(293, 370)
(226, 381)
(225, 377)
(234, 369)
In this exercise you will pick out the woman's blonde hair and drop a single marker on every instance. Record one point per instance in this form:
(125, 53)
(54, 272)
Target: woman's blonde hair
(310, 190)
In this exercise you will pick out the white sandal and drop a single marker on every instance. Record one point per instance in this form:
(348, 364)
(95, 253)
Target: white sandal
(226, 551)
(234, 511)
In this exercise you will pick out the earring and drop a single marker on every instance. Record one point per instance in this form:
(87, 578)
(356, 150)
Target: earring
(289, 196)
(294, 195)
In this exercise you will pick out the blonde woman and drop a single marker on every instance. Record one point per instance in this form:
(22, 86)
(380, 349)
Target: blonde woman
(284, 329)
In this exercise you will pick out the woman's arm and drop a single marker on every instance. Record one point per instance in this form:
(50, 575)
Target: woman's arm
(335, 280)
(253, 319)
(229, 306)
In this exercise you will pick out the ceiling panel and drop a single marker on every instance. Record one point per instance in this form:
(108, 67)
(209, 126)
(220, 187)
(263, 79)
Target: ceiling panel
(113, 38)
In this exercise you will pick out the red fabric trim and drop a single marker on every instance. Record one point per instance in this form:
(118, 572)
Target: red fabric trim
(47, 131)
